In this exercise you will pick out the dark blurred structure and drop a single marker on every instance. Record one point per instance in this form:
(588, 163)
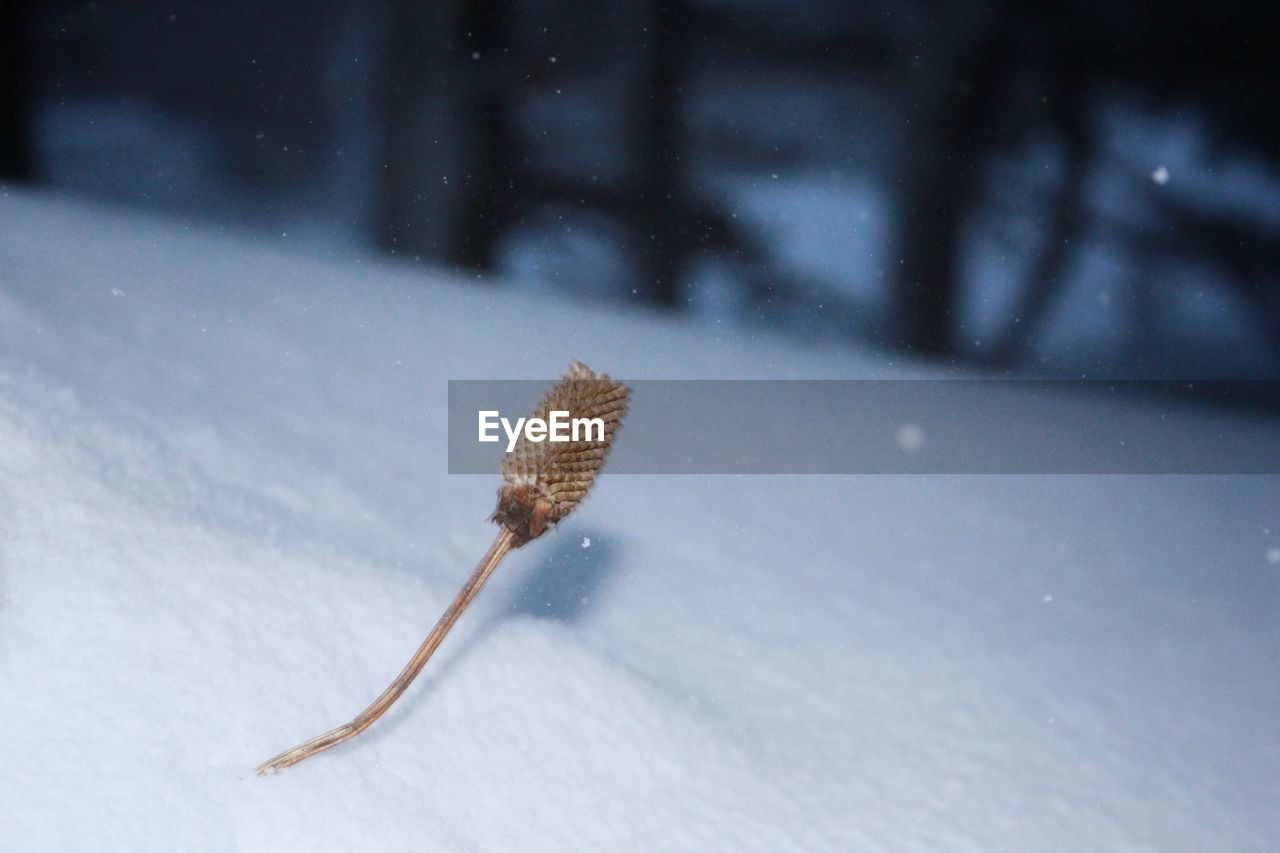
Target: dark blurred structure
(16, 87)
(1086, 187)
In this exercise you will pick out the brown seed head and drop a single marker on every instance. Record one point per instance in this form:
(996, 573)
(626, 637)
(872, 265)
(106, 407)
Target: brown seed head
(544, 481)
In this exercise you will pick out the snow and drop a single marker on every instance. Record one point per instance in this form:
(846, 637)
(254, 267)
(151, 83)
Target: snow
(225, 524)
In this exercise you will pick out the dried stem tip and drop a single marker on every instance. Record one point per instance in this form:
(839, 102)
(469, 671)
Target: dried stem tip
(544, 481)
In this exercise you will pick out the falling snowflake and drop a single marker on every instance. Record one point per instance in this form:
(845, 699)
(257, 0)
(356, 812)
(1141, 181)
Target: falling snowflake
(910, 438)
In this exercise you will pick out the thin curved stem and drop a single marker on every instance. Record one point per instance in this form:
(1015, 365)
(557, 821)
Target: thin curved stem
(501, 545)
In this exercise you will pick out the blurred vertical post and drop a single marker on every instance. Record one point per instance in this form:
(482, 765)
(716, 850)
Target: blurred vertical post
(423, 146)
(489, 200)
(447, 149)
(957, 97)
(16, 162)
(661, 202)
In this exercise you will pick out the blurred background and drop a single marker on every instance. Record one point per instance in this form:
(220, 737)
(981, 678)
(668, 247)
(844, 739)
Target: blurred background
(1079, 189)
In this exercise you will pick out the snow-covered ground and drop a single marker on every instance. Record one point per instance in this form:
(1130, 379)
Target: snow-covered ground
(225, 523)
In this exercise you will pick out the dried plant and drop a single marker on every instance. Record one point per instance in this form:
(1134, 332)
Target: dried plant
(542, 483)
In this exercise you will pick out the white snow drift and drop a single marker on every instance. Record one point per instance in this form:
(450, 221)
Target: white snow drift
(225, 524)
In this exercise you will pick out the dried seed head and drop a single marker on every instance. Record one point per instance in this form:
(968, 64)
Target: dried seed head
(544, 481)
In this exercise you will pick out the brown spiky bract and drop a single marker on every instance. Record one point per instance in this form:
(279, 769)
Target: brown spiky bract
(544, 481)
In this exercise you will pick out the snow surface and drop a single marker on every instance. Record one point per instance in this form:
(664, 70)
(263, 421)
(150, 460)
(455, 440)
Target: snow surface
(225, 524)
